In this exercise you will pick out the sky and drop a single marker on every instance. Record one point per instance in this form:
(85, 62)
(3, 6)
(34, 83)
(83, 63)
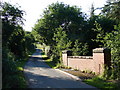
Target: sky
(34, 8)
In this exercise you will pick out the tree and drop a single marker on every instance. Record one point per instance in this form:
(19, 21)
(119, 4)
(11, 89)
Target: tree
(36, 36)
(112, 10)
(59, 26)
(61, 42)
(92, 11)
(80, 49)
(11, 19)
(14, 48)
(59, 14)
(14, 36)
(29, 42)
(113, 41)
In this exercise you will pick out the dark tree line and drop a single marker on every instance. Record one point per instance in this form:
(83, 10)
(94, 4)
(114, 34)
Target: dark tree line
(16, 44)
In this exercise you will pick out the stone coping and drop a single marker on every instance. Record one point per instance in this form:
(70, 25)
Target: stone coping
(81, 57)
(101, 50)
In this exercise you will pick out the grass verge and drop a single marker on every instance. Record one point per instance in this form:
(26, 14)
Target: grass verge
(49, 61)
(102, 84)
(20, 76)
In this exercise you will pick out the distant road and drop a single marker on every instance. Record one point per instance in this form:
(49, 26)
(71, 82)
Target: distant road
(39, 75)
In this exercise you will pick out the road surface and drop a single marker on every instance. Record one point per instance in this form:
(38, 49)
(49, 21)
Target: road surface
(39, 75)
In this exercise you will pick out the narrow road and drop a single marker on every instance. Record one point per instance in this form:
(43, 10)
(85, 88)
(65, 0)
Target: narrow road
(39, 75)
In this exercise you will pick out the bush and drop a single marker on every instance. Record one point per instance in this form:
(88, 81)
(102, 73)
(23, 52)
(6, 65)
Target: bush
(113, 42)
(11, 76)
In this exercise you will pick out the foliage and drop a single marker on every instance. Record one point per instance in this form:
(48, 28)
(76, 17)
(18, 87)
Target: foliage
(113, 41)
(92, 9)
(36, 36)
(112, 10)
(29, 42)
(100, 34)
(60, 32)
(11, 20)
(91, 30)
(14, 36)
(11, 76)
(11, 29)
(61, 41)
(80, 49)
(15, 46)
(52, 18)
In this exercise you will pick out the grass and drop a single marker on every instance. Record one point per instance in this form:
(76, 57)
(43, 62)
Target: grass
(20, 76)
(101, 83)
(48, 61)
(51, 63)
(39, 46)
(20, 65)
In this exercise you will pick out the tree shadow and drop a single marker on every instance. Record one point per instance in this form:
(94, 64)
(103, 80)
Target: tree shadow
(44, 81)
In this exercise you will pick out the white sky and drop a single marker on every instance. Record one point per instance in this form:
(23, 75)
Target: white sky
(34, 8)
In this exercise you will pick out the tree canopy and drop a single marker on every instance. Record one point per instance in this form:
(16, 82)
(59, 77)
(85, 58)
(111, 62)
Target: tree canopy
(65, 27)
(70, 18)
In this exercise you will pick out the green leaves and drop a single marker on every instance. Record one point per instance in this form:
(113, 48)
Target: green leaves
(114, 44)
(11, 21)
(61, 39)
(112, 10)
(112, 41)
(16, 45)
(70, 18)
(12, 14)
(80, 49)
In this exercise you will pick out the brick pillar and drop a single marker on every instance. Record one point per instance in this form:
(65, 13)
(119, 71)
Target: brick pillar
(65, 54)
(101, 57)
(107, 58)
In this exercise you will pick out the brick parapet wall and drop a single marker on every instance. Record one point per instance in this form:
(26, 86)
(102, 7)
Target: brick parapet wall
(81, 64)
(93, 63)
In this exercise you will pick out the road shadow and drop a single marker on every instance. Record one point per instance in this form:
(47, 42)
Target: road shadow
(38, 55)
(40, 81)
